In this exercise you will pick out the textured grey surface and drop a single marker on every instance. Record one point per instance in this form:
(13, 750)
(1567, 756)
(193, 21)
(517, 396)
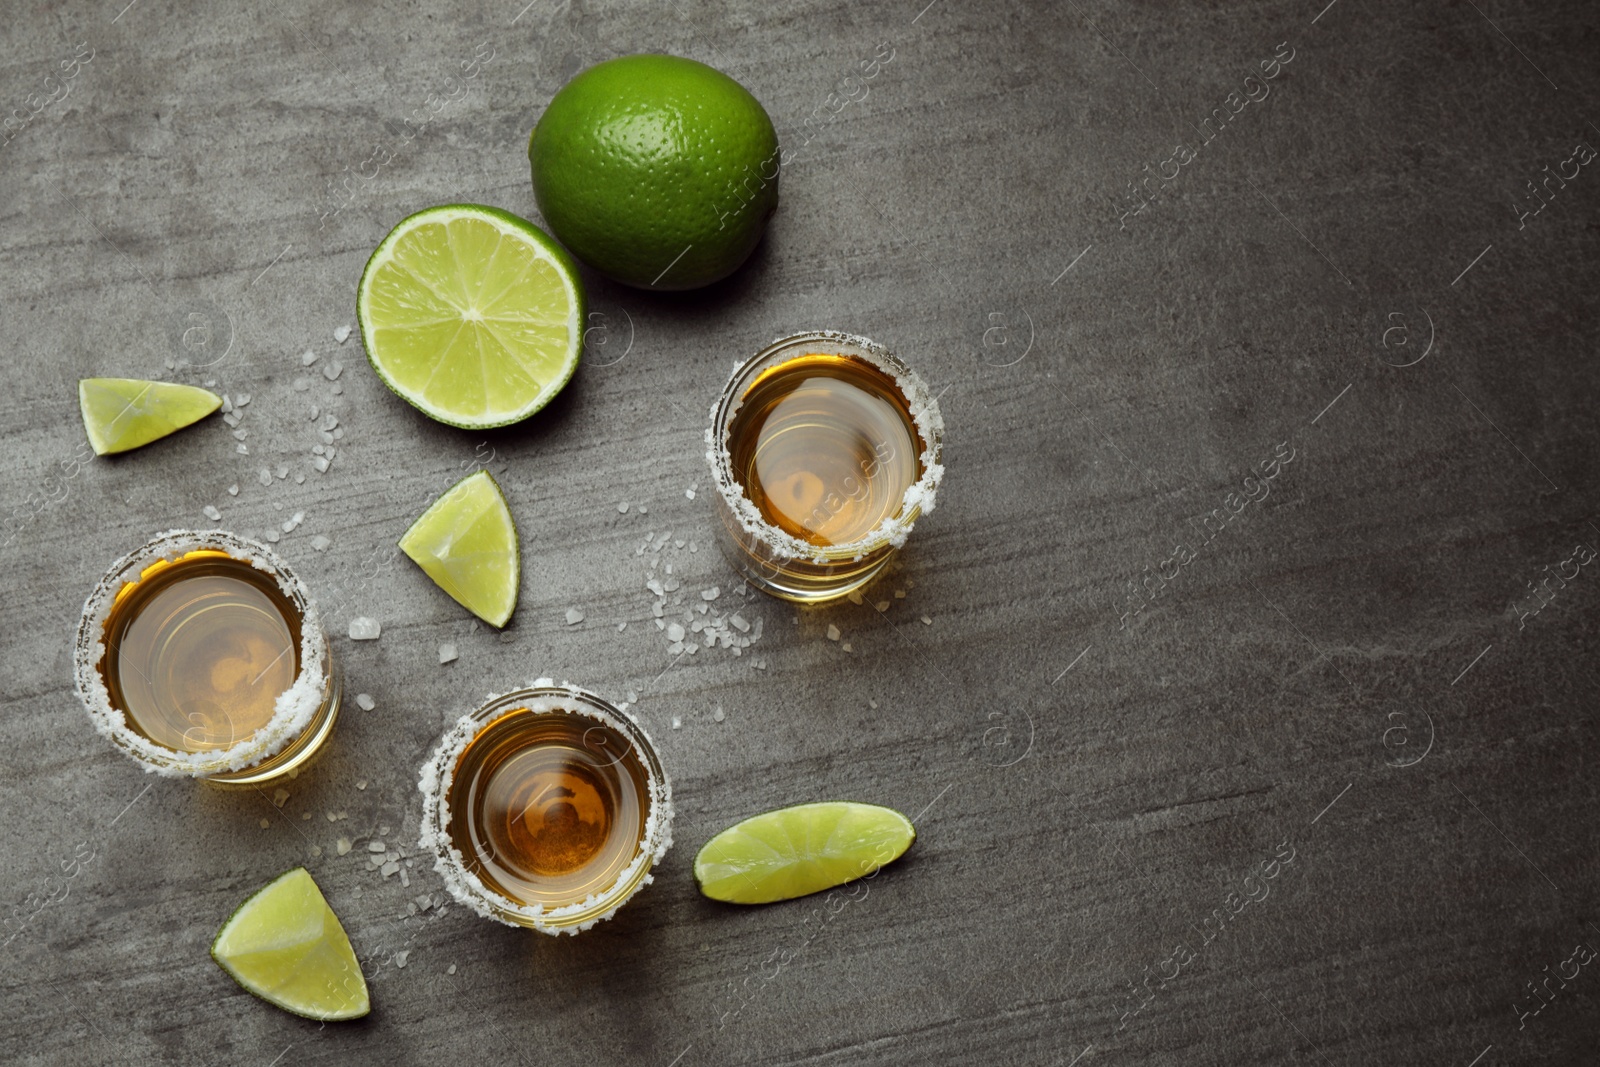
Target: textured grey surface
(1342, 671)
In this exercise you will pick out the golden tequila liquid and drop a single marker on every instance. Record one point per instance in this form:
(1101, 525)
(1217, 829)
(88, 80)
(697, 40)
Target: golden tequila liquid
(547, 808)
(196, 649)
(826, 462)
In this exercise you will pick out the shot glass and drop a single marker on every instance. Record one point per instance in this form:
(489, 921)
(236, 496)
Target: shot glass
(545, 808)
(825, 449)
(200, 654)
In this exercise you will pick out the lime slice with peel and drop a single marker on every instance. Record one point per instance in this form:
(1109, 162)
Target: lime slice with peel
(805, 849)
(286, 946)
(471, 314)
(467, 543)
(121, 414)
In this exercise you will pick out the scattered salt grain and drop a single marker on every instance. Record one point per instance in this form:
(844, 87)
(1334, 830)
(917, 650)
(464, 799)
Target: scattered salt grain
(621, 626)
(365, 702)
(677, 723)
(401, 957)
(316, 850)
(272, 537)
(854, 596)
(321, 463)
(265, 477)
(364, 629)
(241, 400)
(362, 784)
(927, 621)
(331, 371)
(689, 493)
(833, 632)
(872, 703)
(211, 513)
(674, 632)
(320, 543)
(845, 646)
(307, 358)
(644, 509)
(341, 334)
(450, 969)
(574, 616)
(383, 831)
(376, 846)
(710, 594)
(279, 796)
(447, 653)
(899, 594)
(882, 605)
(299, 478)
(389, 869)
(243, 450)
(265, 823)
(622, 508)
(233, 490)
(343, 846)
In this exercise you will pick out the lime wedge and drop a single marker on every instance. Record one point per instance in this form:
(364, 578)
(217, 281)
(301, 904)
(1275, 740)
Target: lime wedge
(121, 414)
(286, 946)
(467, 543)
(804, 849)
(471, 314)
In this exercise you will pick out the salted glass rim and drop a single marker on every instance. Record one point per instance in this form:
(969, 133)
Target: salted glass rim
(918, 498)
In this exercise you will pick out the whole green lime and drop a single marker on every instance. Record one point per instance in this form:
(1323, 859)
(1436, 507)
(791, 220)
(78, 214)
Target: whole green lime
(657, 171)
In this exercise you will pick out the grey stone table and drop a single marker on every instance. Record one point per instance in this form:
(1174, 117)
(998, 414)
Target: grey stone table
(1243, 685)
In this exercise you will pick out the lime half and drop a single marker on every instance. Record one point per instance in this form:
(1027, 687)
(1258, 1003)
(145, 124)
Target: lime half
(804, 849)
(286, 946)
(467, 543)
(123, 413)
(471, 314)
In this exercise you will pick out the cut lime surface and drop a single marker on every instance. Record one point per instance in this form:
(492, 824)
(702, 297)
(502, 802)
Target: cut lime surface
(467, 543)
(123, 413)
(804, 849)
(286, 946)
(471, 314)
